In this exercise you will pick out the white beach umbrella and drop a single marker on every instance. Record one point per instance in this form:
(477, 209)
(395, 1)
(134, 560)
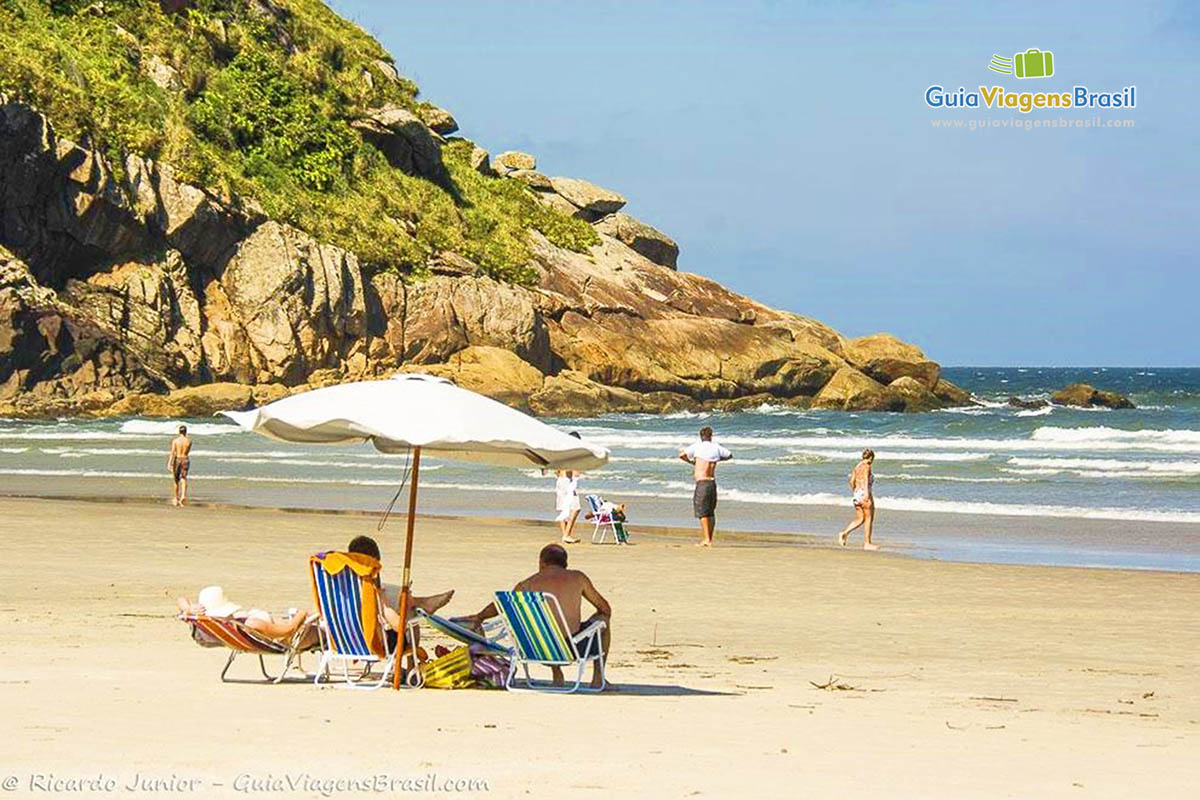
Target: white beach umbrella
(420, 413)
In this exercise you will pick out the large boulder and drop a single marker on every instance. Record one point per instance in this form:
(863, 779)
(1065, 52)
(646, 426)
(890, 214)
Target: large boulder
(194, 401)
(952, 395)
(284, 306)
(406, 141)
(492, 371)
(642, 238)
(444, 314)
(571, 393)
(438, 120)
(915, 394)
(851, 390)
(587, 196)
(1083, 395)
(510, 160)
(52, 356)
(1028, 404)
(152, 309)
(885, 358)
(531, 178)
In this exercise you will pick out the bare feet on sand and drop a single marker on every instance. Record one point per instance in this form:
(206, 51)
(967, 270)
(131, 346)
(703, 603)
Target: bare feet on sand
(570, 540)
(869, 546)
(842, 537)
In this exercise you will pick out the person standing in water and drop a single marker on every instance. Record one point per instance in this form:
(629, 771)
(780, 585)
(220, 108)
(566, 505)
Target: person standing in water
(178, 461)
(862, 482)
(703, 456)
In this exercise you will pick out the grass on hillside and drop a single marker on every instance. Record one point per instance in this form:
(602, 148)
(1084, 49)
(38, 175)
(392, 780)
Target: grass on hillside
(265, 93)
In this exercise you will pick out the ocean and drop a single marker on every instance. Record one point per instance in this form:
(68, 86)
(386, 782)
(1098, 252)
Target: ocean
(992, 483)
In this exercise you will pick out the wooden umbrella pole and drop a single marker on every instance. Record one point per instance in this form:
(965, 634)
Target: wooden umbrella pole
(406, 578)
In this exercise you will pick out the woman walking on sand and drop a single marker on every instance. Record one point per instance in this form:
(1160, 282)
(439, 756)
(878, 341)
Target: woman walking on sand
(862, 480)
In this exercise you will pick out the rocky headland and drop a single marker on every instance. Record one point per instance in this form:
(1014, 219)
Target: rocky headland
(125, 289)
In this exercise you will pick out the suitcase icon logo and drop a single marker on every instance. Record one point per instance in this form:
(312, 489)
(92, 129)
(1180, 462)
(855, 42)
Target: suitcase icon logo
(1033, 63)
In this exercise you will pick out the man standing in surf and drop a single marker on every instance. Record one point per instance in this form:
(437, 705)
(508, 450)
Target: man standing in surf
(178, 461)
(703, 456)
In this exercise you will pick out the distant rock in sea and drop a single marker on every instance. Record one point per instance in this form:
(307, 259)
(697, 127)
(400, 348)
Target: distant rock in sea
(1082, 395)
(1028, 403)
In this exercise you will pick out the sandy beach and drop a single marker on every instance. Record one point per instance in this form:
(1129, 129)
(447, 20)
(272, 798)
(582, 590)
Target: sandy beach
(959, 680)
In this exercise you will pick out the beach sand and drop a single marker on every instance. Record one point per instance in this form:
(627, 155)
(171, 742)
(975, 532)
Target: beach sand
(961, 680)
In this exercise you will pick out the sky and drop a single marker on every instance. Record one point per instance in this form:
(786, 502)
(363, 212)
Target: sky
(789, 150)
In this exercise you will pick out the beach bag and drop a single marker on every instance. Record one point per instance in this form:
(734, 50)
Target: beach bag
(488, 669)
(450, 671)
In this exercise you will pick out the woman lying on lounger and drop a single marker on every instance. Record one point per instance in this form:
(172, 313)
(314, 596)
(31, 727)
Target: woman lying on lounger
(213, 603)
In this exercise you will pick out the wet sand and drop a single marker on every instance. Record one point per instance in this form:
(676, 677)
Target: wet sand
(949, 680)
(1059, 541)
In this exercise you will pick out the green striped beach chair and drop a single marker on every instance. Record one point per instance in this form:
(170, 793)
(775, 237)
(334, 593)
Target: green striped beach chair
(539, 636)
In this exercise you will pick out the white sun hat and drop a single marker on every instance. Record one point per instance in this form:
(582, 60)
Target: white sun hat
(215, 603)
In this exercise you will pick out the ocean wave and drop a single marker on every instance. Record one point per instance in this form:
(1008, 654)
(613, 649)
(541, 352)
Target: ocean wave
(905, 476)
(394, 465)
(168, 427)
(675, 462)
(1113, 464)
(13, 450)
(162, 476)
(1106, 434)
(1035, 412)
(1104, 474)
(1045, 438)
(934, 506)
(854, 454)
(63, 436)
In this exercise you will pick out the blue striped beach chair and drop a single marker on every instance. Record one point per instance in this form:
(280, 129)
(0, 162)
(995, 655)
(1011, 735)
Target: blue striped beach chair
(351, 624)
(535, 623)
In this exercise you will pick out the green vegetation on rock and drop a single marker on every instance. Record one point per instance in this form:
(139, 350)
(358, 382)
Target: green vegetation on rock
(253, 100)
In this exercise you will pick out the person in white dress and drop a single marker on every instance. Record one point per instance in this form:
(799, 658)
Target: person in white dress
(566, 501)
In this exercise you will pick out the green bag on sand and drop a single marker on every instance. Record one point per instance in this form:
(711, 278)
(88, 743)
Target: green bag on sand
(450, 671)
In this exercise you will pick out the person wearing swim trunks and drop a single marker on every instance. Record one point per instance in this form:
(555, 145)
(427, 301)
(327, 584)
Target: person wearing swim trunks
(570, 587)
(704, 456)
(178, 462)
(862, 482)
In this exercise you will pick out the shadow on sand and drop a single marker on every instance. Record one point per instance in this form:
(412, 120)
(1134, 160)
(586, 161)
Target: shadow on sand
(665, 690)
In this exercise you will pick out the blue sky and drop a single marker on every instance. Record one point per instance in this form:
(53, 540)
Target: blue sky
(788, 149)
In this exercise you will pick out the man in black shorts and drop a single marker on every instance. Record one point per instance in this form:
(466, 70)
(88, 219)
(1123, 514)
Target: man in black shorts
(703, 456)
